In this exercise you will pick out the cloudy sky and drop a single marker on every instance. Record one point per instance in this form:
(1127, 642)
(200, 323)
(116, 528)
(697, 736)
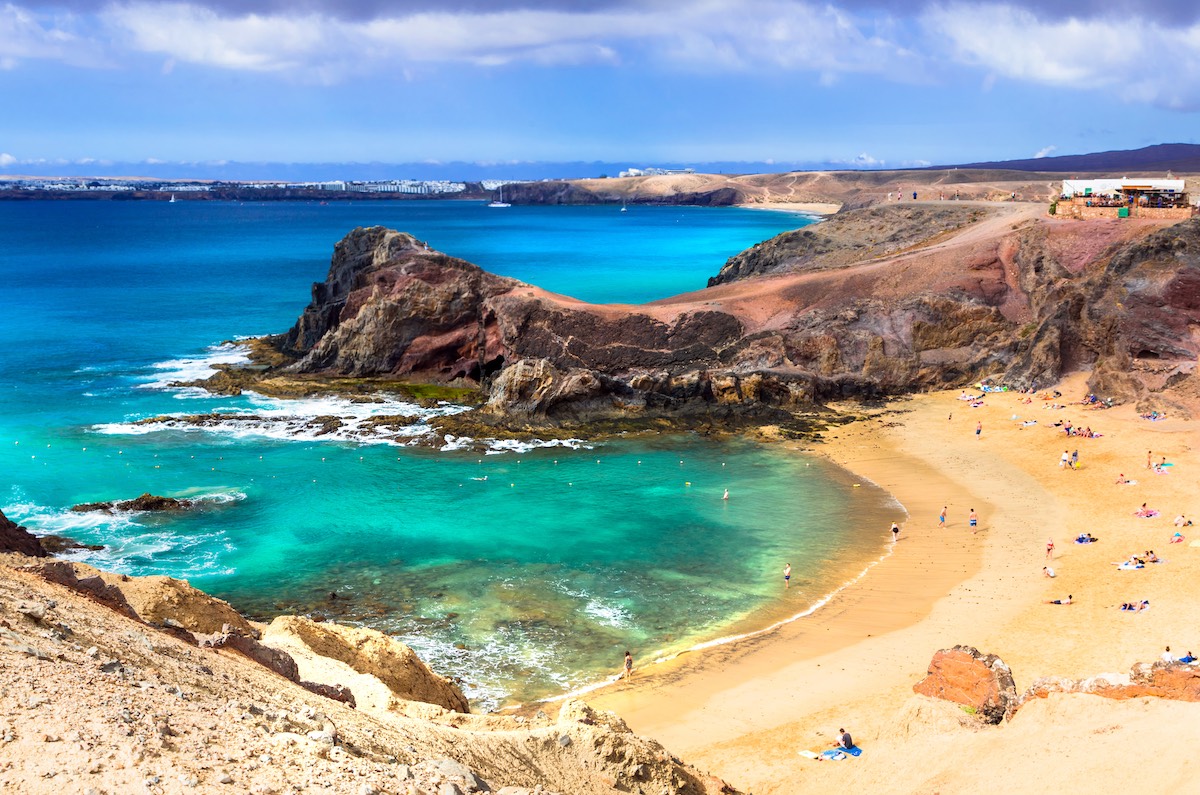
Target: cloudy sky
(863, 82)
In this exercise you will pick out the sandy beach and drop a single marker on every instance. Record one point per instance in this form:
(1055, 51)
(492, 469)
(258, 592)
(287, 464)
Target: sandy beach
(744, 710)
(813, 208)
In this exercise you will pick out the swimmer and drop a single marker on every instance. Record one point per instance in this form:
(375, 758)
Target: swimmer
(726, 495)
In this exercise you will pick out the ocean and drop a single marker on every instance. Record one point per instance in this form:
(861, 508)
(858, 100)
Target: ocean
(523, 570)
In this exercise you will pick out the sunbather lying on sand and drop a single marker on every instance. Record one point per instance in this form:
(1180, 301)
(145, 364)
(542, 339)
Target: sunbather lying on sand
(1066, 601)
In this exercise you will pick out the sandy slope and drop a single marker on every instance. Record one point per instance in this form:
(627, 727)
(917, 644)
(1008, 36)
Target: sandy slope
(744, 711)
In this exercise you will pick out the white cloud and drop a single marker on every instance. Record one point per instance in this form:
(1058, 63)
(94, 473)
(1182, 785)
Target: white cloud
(26, 36)
(697, 34)
(1045, 151)
(7, 160)
(1138, 59)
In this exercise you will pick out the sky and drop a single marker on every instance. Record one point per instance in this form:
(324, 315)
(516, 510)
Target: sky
(854, 83)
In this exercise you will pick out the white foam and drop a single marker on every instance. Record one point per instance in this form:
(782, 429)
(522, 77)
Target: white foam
(128, 545)
(304, 419)
(196, 368)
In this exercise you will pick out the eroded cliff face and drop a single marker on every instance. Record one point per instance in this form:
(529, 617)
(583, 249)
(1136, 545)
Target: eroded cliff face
(887, 301)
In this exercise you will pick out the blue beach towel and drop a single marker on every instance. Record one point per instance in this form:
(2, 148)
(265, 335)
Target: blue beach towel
(833, 754)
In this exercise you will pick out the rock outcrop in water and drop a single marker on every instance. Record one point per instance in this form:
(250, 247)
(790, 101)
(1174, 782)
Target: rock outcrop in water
(15, 538)
(145, 502)
(875, 302)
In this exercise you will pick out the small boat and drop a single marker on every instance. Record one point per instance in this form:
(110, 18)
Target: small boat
(499, 202)
(624, 209)
(172, 199)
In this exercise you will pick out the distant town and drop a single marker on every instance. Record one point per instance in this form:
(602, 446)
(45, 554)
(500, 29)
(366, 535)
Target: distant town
(178, 190)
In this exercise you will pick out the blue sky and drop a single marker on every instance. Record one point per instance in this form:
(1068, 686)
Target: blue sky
(857, 82)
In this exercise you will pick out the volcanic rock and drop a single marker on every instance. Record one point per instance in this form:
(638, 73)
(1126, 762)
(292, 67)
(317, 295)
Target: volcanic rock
(877, 301)
(979, 681)
(146, 502)
(14, 538)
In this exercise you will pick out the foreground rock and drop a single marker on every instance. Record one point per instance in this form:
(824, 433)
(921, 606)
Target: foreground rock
(981, 682)
(92, 697)
(369, 651)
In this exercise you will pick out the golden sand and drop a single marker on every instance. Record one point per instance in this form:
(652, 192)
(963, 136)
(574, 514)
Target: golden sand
(743, 710)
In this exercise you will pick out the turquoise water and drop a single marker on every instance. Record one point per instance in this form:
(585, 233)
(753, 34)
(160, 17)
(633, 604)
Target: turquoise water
(525, 572)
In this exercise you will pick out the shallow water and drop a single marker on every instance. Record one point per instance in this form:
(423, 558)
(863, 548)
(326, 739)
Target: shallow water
(524, 572)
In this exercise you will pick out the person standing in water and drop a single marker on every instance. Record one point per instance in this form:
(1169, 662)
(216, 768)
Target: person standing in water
(726, 496)
(895, 532)
(628, 664)
(787, 576)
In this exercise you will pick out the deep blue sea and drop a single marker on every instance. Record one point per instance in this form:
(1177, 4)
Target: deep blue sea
(525, 571)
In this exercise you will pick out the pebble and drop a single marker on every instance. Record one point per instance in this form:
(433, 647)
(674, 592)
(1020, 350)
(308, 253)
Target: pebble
(35, 610)
(188, 781)
(93, 652)
(224, 778)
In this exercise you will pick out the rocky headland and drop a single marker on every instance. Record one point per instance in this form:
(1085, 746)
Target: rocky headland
(874, 302)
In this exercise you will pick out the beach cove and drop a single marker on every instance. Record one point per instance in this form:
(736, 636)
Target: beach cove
(745, 710)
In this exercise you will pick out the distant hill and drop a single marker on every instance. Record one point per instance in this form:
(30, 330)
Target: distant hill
(1181, 158)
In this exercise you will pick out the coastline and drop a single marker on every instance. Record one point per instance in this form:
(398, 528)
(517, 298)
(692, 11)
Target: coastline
(820, 209)
(744, 709)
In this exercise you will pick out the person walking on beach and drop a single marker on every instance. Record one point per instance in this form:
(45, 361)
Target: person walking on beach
(942, 517)
(628, 664)
(978, 429)
(973, 520)
(1066, 458)
(787, 576)
(1074, 459)
(1050, 549)
(1149, 459)
(895, 532)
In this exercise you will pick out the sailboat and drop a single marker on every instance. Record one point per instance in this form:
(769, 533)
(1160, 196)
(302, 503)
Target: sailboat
(624, 209)
(499, 202)
(172, 199)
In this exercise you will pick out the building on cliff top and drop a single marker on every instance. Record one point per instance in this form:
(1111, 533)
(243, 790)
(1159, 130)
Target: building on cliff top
(1135, 197)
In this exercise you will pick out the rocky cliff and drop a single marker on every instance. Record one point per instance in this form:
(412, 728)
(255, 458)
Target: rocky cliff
(875, 302)
(109, 684)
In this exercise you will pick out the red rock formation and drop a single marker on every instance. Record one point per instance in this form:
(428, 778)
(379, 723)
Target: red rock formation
(965, 676)
(887, 300)
(1175, 680)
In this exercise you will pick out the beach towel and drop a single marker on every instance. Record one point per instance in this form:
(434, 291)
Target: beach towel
(833, 753)
(1127, 566)
(1148, 514)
